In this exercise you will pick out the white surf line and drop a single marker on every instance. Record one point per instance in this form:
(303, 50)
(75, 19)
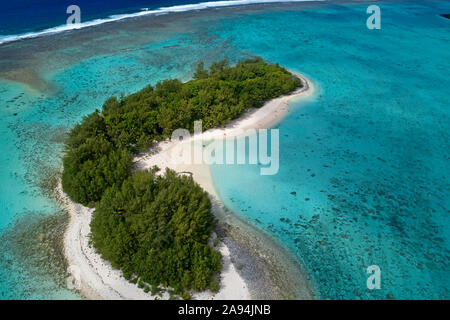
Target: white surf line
(144, 12)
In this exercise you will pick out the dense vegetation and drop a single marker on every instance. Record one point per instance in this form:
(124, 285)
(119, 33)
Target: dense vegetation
(99, 150)
(155, 228)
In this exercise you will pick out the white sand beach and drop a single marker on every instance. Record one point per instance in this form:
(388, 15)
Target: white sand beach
(96, 279)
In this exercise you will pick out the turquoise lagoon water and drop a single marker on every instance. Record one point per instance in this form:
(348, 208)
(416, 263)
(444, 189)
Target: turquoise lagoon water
(33, 126)
(367, 156)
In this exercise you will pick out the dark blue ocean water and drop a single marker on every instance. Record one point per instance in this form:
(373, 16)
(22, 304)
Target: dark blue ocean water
(21, 16)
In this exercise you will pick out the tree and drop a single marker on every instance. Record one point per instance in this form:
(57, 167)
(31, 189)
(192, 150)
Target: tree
(200, 72)
(153, 227)
(157, 227)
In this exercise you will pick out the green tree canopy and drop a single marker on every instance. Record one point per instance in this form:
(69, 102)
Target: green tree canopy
(156, 227)
(130, 124)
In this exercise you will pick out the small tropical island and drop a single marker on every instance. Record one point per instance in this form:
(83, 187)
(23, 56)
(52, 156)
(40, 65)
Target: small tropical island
(155, 227)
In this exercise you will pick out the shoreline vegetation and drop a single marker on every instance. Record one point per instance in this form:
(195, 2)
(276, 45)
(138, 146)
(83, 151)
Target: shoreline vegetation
(135, 203)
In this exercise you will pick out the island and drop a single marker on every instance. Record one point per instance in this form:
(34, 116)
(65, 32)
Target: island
(153, 226)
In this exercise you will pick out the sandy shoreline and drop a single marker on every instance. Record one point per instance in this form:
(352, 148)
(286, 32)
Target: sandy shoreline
(96, 279)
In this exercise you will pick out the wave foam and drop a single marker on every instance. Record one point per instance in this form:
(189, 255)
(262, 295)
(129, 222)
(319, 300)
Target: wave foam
(145, 11)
